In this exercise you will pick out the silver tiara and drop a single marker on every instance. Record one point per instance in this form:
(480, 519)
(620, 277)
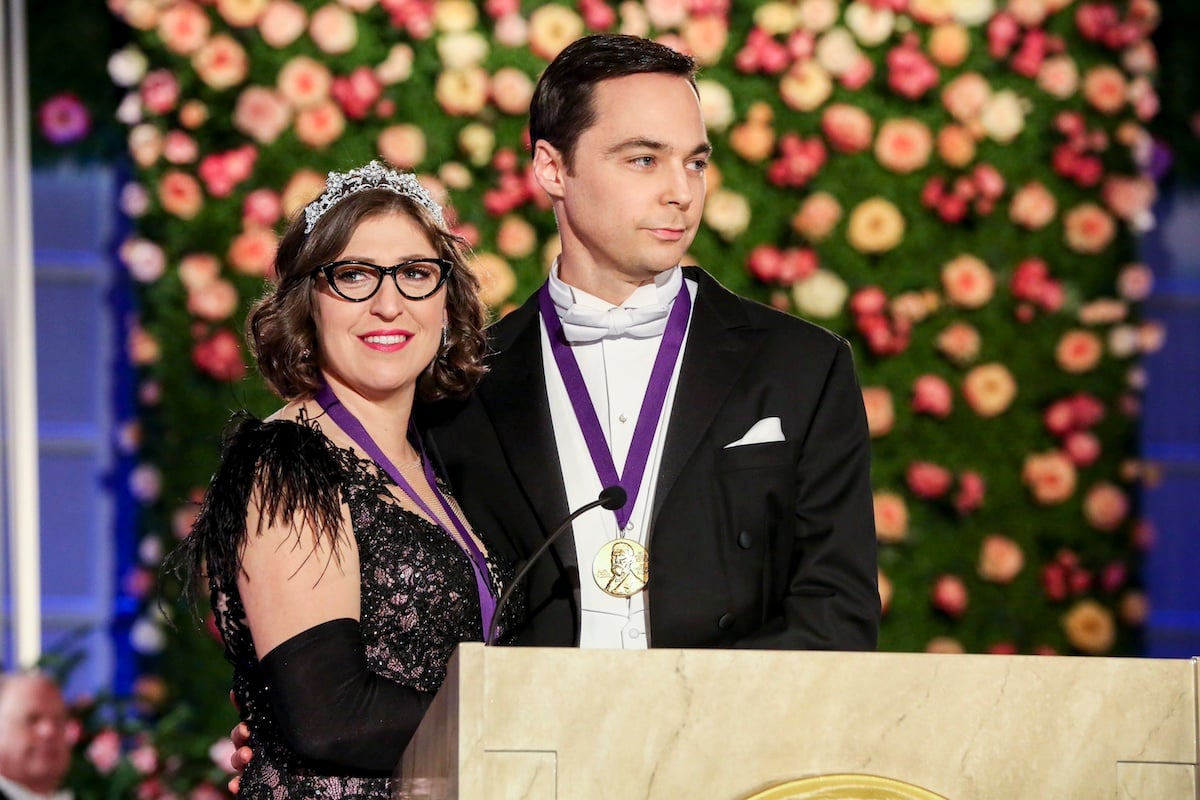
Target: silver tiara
(340, 185)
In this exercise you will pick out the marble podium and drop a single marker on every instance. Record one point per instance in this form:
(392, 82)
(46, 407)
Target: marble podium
(732, 725)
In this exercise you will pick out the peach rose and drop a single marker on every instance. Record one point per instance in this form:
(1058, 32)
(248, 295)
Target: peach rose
(304, 81)
(1105, 89)
(875, 226)
(945, 645)
(180, 194)
(949, 45)
(1130, 198)
(950, 595)
(197, 270)
(959, 343)
(144, 259)
(1134, 608)
(262, 114)
(1028, 13)
(1088, 228)
(252, 251)
(848, 128)
(551, 28)
(817, 216)
(1105, 507)
(881, 414)
(304, 186)
(1033, 206)
(1090, 628)
(1003, 116)
(805, 86)
(666, 14)
(965, 96)
(142, 347)
(512, 90)
(967, 282)
(397, 67)
(753, 140)
(515, 237)
(497, 281)
(183, 28)
(1078, 352)
(321, 125)
(403, 146)
(821, 295)
(886, 590)
(914, 306)
(1135, 281)
(241, 13)
(706, 37)
(1000, 559)
(1103, 311)
(1050, 476)
(333, 29)
(903, 145)
(1059, 77)
(891, 517)
(193, 114)
(463, 92)
(221, 62)
(716, 105)
(214, 301)
(180, 148)
(871, 25)
(989, 389)
(727, 213)
(455, 16)
(837, 51)
(956, 145)
(145, 144)
(282, 22)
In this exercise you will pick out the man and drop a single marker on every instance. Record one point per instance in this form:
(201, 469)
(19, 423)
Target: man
(738, 432)
(35, 742)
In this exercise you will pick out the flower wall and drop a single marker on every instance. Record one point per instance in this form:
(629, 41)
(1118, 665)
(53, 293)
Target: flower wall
(953, 185)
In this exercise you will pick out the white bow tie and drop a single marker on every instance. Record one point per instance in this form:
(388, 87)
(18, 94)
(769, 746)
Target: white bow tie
(583, 324)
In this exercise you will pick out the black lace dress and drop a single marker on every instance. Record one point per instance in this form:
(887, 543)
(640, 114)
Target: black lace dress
(419, 595)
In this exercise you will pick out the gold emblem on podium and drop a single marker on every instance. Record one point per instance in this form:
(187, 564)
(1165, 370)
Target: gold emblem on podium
(621, 567)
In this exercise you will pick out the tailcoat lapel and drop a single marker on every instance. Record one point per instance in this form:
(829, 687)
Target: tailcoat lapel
(721, 343)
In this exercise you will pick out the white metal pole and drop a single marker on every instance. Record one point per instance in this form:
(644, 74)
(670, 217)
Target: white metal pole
(20, 361)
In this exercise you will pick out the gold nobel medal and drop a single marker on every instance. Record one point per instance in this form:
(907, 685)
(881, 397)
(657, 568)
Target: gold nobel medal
(621, 567)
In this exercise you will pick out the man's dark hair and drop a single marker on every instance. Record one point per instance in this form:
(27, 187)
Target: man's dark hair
(562, 107)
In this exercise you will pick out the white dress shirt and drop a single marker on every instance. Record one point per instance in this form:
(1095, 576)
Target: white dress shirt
(18, 792)
(616, 370)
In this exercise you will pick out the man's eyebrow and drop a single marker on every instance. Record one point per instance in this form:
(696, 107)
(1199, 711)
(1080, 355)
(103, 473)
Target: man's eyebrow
(638, 143)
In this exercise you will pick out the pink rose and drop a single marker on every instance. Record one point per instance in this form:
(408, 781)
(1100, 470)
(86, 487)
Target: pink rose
(950, 596)
(183, 27)
(262, 114)
(282, 22)
(180, 148)
(1000, 559)
(214, 301)
(959, 342)
(1050, 476)
(144, 758)
(180, 194)
(1105, 507)
(1059, 77)
(971, 492)
(927, 480)
(512, 90)
(1135, 282)
(967, 282)
(402, 145)
(304, 82)
(903, 145)
(932, 396)
(357, 92)
(891, 517)
(1105, 89)
(965, 96)
(515, 237)
(799, 161)
(333, 29)
(706, 37)
(910, 73)
(105, 751)
(221, 62)
(262, 208)
(222, 172)
(1130, 198)
(848, 128)
(159, 91)
(1088, 228)
(989, 389)
(220, 356)
(1082, 447)
(220, 754)
(881, 414)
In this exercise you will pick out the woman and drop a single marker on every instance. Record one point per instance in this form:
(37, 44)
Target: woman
(342, 575)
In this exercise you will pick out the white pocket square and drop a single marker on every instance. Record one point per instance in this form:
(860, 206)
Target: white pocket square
(767, 429)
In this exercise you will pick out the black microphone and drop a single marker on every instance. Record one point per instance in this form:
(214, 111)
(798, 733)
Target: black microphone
(611, 498)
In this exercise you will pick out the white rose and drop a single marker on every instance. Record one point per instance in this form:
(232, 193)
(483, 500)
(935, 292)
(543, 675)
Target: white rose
(727, 213)
(972, 12)
(462, 50)
(821, 295)
(716, 105)
(837, 51)
(147, 637)
(871, 26)
(127, 66)
(1003, 116)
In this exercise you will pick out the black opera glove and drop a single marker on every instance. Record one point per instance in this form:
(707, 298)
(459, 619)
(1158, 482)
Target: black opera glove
(330, 707)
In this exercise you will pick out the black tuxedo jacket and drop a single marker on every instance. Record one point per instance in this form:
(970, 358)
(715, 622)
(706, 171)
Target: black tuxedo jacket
(765, 545)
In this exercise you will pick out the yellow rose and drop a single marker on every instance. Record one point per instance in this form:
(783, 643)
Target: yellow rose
(875, 226)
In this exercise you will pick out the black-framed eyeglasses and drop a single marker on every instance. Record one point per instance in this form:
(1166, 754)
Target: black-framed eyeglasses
(357, 281)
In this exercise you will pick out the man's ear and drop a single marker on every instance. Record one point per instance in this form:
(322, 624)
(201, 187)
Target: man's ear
(549, 169)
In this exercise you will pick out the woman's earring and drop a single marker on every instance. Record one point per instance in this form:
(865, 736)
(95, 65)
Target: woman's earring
(445, 337)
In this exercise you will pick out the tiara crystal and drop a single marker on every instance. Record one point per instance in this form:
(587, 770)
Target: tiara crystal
(340, 185)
